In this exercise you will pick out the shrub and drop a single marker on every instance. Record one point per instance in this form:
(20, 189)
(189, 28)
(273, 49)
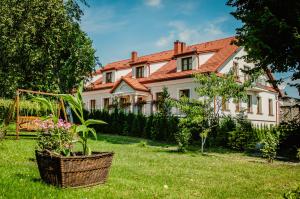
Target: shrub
(270, 143)
(227, 124)
(298, 154)
(289, 140)
(182, 137)
(242, 137)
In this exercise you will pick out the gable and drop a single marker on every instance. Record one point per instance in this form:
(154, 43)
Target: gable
(123, 87)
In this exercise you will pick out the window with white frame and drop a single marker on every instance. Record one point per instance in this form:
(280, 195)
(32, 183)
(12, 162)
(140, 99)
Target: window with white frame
(186, 63)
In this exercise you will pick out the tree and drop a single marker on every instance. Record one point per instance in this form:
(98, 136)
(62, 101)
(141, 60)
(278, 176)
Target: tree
(203, 115)
(42, 46)
(270, 34)
(164, 104)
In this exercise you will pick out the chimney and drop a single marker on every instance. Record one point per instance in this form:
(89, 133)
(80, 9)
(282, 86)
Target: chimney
(133, 56)
(183, 47)
(177, 47)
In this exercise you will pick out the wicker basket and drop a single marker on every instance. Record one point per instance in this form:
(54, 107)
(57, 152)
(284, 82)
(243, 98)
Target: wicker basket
(75, 171)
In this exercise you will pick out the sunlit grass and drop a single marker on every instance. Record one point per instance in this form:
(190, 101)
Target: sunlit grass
(152, 171)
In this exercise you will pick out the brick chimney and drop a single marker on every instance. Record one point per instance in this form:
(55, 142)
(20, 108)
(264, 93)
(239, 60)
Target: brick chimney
(133, 56)
(183, 47)
(177, 47)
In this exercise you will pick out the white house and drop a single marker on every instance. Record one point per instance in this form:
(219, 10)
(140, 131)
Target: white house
(138, 82)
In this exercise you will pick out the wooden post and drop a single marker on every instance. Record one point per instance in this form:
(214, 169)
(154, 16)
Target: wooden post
(18, 114)
(63, 109)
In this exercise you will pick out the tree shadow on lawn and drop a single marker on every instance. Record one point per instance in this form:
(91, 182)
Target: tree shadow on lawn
(30, 178)
(121, 139)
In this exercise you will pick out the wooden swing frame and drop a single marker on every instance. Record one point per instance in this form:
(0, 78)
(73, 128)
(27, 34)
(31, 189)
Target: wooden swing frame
(16, 107)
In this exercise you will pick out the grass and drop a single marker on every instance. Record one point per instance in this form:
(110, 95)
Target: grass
(152, 171)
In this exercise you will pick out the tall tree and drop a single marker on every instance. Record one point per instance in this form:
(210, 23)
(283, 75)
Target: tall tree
(42, 46)
(270, 33)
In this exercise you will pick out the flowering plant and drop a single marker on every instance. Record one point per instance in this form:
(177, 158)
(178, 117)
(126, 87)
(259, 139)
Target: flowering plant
(56, 138)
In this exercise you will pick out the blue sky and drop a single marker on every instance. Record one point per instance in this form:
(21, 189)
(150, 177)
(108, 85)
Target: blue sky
(118, 27)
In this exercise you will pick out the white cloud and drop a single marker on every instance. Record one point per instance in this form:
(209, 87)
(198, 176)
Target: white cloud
(101, 20)
(153, 3)
(164, 41)
(192, 34)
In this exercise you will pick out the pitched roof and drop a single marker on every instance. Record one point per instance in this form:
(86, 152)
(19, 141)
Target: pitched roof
(133, 83)
(223, 49)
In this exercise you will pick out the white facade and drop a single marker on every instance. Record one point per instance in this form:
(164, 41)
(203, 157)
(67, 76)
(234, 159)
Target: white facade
(268, 97)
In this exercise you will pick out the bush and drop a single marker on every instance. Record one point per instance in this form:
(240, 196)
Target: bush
(182, 137)
(242, 137)
(289, 140)
(156, 126)
(270, 143)
(227, 124)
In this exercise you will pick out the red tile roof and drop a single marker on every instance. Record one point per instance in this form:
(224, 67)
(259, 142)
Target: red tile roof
(134, 83)
(222, 48)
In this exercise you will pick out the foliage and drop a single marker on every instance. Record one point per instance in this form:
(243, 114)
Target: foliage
(293, 194)
(289, 140)
(211, 88)
(27, 107)
(227, 124)
(56, 138)
(2, 130)
(200, 115)
(182, 138)
(298, 154)
(196, 116)
(204, 135)
(164, 104)
(270, 143)
(155, 127)
(42, 46)
(84, 128)
(242, 137)
(264, 22)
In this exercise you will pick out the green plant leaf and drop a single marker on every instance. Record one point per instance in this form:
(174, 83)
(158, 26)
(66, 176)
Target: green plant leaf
(92, 121)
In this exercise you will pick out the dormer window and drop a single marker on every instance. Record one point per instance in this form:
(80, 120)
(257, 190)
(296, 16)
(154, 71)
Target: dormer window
(108, 77)
(186, 63)
(139, 72)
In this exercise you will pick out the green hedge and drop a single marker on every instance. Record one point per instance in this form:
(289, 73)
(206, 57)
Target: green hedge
(155, 127)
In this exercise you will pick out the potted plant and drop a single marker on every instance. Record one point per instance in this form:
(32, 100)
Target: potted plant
(57, 162)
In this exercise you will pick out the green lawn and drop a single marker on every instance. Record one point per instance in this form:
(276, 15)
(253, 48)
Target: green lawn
(155, 171)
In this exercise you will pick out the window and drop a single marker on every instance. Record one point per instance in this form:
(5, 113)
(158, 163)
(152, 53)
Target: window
(235, 70)
(237, 106)
(184, 93)
(93, 105)
(271, 107)
(249, 104)
(109, 77)
(259, 106)
(124, 100)
(186, 63)
(106, 102)
(224, 104)
(139, 72)
(246, 75)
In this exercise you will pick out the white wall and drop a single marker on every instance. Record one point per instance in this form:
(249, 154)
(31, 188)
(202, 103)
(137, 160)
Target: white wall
(204, 57)
(154, 67)
(120, 73)
(95, 95)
